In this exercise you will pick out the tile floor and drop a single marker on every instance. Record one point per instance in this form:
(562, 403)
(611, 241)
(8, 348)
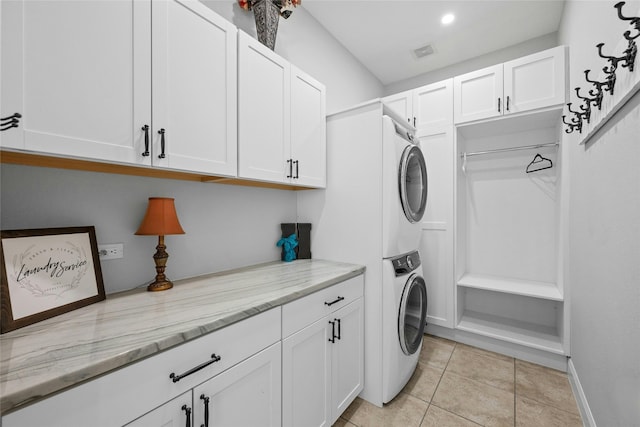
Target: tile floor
(458, 385)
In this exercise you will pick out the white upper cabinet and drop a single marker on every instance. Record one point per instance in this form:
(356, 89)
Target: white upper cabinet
(478, 95)
(402, 104)
(194, 88)
(535, 81)
(264, 140)
(281, 135)
(308, 130)
(79, 74)
(433, 105)
(525, 84)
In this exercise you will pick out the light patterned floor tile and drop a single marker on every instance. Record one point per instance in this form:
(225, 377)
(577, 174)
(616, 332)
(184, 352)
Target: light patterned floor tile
(530, 413)
(436, 352)
(544, 385)
(403, 411)
(424, 381)
(481, 403)
(482, 367)
(341, 422)
(437, 417)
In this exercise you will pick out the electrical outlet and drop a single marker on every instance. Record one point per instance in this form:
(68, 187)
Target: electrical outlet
(111, 251)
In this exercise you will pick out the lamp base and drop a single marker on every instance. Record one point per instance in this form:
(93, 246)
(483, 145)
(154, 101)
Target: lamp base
(160, 285)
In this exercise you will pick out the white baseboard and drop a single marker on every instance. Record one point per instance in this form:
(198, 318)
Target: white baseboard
(581, 399)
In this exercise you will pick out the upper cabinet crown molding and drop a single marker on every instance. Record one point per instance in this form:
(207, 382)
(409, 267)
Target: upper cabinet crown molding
(282, 121)
(529, 83)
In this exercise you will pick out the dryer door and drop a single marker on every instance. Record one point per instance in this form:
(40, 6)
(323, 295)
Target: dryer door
(413, 314)
(413, 183)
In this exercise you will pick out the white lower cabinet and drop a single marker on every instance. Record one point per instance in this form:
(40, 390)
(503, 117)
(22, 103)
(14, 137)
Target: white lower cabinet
(124, 395)
(323, 360)
(223, 400)
(249, 394)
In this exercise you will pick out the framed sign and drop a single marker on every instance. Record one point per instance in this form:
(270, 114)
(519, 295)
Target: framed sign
(47, 272)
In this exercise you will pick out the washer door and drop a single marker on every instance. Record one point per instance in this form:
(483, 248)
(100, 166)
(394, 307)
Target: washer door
(413, 183)
(413, 314)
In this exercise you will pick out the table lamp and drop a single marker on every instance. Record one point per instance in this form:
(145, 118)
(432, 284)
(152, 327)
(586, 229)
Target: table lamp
(161, 219)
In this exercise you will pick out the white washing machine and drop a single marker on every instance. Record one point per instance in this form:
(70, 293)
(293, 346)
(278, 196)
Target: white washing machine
(404, 189)
(404, 315)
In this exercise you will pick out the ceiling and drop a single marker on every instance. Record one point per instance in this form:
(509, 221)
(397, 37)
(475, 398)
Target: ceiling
(382, 34)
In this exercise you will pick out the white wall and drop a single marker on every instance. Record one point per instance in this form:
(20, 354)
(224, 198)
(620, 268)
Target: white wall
(303, 41)
(512, 52)
(604, 231)
(223, 230)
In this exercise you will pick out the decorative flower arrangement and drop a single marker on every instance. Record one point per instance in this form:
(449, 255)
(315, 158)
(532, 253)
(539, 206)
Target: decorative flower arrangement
(286, 6)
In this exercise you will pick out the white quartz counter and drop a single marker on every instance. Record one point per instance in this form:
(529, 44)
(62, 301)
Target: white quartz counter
(63, 351)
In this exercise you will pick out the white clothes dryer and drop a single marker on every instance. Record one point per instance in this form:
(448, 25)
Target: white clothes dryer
(404, 313)
(404, 189)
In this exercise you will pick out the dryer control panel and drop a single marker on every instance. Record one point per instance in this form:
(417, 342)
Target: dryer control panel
(405, 264)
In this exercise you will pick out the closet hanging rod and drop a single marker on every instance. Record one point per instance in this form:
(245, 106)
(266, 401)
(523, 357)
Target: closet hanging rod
(501, 150)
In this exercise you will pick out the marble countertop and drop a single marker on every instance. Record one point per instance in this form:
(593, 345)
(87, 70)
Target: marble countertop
(57, 353)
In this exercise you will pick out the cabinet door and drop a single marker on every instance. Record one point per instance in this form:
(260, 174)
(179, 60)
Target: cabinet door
(535, 81)
(433, 105)
(308, 130)
(401, 104)
(174, 413)
(478, 95)
(264, 140)
(194, 88)
(248, 394)
(306, 386)
(78, 72)
(437, 242)
(347, 361)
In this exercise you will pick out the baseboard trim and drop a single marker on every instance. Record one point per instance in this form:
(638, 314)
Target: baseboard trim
(578, 392)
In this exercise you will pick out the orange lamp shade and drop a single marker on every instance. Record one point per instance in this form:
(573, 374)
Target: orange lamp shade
(161, 218)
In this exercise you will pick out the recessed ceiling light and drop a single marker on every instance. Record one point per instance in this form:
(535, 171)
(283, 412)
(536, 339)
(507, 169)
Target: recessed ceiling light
(447, 19)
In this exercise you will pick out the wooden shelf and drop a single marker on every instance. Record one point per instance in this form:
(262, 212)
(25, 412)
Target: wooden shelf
(529, 288)
(527, 334)
(51, 161)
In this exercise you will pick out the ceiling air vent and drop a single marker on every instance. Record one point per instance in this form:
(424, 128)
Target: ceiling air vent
(423, 51)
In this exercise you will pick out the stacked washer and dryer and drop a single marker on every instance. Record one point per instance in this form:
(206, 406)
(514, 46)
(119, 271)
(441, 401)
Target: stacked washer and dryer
(370, 214)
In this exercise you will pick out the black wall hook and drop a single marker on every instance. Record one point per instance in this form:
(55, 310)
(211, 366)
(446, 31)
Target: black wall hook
(586, 106)
(574, 124)
(597, 91)
(632, 20)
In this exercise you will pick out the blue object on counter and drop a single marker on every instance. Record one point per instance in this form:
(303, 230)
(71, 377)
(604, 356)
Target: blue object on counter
(289, 244)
